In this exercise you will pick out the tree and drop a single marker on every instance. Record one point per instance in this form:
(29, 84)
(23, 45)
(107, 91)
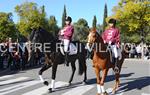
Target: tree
(81, 30)
(133, 17)
(99, 28)
(94, 22)
(7, 26)
(104, 19)
(30, 17)
(53, 27)
(64, 16)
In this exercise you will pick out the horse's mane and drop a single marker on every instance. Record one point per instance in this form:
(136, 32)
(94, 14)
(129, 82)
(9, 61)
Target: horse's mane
(47, 36)
(99, 37)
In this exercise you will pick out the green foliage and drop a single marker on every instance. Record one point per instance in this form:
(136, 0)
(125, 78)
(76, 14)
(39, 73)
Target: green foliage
(53, 25)
(94, 22)
(64, 16)
(133, 17)
(104, 19)
(99, 28)
(30, 17)
(7, 26)
(81, 30)
(148, 39)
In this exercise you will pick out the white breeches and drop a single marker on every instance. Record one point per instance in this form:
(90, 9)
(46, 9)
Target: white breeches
(66, 45)
(114, 51)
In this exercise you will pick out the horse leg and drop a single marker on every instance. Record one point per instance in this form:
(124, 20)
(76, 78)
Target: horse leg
(104, 74)
(117, 76)
(45, 67)
(98, 78)
(54, 69)
(85, 73)
(73, 71)
(117, 82)
(83, 67)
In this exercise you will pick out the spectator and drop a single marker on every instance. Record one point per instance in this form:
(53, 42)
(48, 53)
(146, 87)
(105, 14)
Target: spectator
(133, 51)
(146, 52)
(139, 51)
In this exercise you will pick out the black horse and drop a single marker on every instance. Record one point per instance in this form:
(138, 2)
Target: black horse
(55, 57)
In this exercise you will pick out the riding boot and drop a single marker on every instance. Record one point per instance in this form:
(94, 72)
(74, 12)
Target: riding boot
(66, 59)
(114, 61)
(90, 54)
(116, 69)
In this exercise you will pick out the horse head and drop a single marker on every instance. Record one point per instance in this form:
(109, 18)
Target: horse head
(36, 39)
(95, 37)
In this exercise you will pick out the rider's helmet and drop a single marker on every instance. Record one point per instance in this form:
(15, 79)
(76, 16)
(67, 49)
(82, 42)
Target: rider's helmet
(68, 18)
(113, 21)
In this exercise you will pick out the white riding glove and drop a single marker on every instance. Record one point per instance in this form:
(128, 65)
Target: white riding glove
(62, 32)
(109, 42)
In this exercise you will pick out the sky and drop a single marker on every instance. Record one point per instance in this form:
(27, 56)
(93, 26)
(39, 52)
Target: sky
(75, 8)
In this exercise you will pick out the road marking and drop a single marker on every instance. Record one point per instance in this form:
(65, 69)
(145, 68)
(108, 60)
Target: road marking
(44, 89)
(18, 87)
(7, 76)
(13, 80)
(79, 90)
(109, 90)
(145, 94)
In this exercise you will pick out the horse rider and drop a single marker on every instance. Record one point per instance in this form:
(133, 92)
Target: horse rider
(67, 33)
(111, 36)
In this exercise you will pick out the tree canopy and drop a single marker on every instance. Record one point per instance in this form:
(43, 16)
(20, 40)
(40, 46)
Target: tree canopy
(53, 27)
(7, 26)
(133, 18)
(94, 22)
(81, 30)
(64, 16)
(30, 17)
(104, 18)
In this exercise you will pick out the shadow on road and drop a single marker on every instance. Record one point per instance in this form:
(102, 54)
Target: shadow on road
(11, 72)
(135, 83)
(109, 78)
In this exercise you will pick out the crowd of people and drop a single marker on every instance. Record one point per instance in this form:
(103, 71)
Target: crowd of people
(135, 51)
(16, 58)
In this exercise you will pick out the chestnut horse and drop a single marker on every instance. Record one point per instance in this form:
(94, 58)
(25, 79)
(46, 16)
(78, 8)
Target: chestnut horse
(102, 62)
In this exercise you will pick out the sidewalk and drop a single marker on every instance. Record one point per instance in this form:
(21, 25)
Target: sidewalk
(137, 60)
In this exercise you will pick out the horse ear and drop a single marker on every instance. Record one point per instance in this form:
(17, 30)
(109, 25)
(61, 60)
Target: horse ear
(93, 30)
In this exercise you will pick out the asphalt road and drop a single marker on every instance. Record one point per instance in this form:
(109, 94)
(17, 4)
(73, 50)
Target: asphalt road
(135, 80)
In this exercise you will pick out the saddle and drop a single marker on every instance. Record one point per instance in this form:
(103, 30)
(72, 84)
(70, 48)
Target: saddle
(112, 54)
(72, 49)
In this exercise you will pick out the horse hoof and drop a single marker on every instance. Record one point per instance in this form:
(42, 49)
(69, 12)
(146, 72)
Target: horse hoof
(50, 90)
(113, 92)
(46, 83)
(105, 93)
(69, 84)
(84, 82)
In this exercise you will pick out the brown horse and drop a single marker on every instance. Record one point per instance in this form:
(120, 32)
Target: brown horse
(102, 62)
